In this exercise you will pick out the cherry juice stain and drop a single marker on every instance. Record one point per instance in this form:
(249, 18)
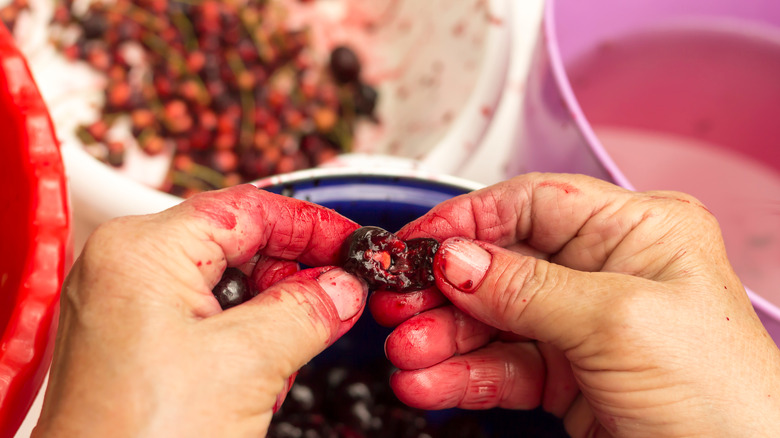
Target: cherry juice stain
(562, 186)
(223, 219)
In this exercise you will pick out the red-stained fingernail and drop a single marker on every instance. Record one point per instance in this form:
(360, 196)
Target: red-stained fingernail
(347, 292)
(464, 263)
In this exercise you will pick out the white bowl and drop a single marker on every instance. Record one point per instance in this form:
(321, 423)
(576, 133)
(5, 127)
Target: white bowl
(440, 75)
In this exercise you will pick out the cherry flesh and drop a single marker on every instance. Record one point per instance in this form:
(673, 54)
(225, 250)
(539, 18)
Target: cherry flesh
(386, 262)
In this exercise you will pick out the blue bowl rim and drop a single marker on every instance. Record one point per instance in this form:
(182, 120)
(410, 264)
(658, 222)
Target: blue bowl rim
(382, 173)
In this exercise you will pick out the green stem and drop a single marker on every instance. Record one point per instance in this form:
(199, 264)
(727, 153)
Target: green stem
(159, 45)
(83, 134)
(342, 135)
(185, 27)
(247, 101)
(200, 174)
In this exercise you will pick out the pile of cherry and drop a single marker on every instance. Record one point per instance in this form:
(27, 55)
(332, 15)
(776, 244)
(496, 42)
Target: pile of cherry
(342, 400)
(226, 84)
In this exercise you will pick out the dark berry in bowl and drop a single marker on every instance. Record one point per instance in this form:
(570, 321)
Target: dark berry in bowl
(386, 262)
(233, 288)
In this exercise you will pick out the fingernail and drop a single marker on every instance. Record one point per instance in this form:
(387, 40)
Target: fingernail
(464, 263)
(347, 292)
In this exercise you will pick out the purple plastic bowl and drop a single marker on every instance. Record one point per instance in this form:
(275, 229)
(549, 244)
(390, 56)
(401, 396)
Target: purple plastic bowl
(558, 137)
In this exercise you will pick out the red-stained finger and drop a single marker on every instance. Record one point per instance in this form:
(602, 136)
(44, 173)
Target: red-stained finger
(243, 220)
(288, 324)
(248, 266)
(268, 271)
(434, 336)
(392, 308)
(577, 220)
(178, 255)
(506, 375)
(528, 296)
(295, 319)
(543, 210)
(283, 393)
(184, 250)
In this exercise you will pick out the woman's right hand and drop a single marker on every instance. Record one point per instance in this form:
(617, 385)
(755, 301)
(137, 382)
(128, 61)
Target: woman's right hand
(617, 311)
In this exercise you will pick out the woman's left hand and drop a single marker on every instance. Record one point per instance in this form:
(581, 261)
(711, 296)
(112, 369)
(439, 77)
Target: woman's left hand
(143, 347)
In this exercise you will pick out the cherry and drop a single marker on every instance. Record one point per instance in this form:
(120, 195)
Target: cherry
(386, 262)
(94, 26)
(233, 288)
(347, 400)
(216, 58)
(344, 64)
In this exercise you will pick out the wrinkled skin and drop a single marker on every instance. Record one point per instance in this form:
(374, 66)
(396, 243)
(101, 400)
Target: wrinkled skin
(143, 348)
(617, 311)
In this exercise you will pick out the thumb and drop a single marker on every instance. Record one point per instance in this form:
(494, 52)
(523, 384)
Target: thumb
(522, 294)
(297, 318)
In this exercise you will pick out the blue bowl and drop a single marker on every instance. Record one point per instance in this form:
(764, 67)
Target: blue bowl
(390, 199)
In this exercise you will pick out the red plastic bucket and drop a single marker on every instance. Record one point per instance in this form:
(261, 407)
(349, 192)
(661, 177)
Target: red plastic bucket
(35, 250)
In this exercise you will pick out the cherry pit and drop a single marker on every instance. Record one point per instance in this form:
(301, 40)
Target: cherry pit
(387, 262)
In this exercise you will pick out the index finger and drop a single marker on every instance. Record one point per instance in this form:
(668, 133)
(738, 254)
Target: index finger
(574, 220)
(179, 254)
(546, 210)
(243, 221)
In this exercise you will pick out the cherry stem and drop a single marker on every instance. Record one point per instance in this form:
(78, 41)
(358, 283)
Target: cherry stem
(247, 101)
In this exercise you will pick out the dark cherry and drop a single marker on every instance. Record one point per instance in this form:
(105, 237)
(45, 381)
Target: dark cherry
(233, 288)
(302, 426)
(387, 262)
(94, 26)
(344, 65)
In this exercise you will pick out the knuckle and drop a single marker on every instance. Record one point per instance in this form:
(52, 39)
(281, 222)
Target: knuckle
(522, 283)
(72, 296)
(108, 240)
(312, 311)
(623, 310)
(107, 253)
(689, 205)
(628, 315)
(686, 211)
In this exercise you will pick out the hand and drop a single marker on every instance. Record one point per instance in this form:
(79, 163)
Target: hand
(143, 347)
(617, 311)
